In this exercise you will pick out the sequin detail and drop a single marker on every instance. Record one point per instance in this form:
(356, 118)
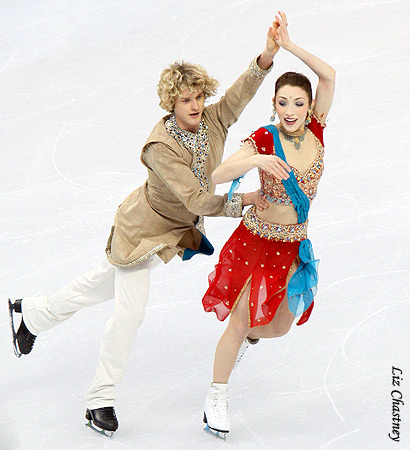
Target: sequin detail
(320, 119)
(274, 231)
(198, 144)
(153, 251)
(233, 207)
(256, 72)
(273, 189)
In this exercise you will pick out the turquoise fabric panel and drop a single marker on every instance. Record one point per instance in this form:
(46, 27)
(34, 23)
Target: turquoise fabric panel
(302, 286)
(205, 248)
(234, 186)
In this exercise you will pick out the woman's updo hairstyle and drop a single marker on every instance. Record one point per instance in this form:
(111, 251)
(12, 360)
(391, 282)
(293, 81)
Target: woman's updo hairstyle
(294, 79)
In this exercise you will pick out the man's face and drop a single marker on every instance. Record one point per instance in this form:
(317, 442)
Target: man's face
(188, 110)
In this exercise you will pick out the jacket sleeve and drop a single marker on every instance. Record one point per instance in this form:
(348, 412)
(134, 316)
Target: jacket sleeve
(231, 105)
(176, 174)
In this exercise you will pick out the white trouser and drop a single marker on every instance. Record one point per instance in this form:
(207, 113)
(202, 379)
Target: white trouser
(130, 287)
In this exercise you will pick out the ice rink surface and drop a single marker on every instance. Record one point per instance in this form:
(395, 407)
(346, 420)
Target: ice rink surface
(78, 99)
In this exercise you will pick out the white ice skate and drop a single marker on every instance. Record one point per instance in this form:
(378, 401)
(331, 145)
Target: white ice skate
(216, 414)
(242, 350)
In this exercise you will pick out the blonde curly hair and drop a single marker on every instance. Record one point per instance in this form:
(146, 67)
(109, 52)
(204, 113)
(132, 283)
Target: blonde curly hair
(180, 76)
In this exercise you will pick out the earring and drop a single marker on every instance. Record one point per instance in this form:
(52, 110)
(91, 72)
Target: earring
(309, 117)
(272, 117)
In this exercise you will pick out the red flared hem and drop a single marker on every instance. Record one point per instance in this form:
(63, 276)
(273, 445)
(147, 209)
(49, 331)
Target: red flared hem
(248, 258)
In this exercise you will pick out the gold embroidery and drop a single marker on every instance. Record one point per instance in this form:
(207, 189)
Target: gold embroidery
(234, 207)
(136, 261)
(256, 72)
(275, 192)
(320, 119)
(274, 231)
(198, 145)
(240, 295)
(288, 276)
(251, 140)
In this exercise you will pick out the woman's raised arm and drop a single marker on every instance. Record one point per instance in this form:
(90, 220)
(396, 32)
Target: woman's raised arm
(326, 73)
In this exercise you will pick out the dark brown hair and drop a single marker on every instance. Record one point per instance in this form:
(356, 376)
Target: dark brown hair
(294, 79)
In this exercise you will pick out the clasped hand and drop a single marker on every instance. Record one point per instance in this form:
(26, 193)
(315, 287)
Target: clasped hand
(278, 33)
(275, 166)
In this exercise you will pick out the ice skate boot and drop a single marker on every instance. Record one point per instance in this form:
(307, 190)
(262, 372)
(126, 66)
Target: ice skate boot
(242, 350)
(216, 414)
(23, 340)
(102, 420)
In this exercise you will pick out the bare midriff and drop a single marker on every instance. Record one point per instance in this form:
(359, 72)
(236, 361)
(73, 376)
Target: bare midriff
(282, 214)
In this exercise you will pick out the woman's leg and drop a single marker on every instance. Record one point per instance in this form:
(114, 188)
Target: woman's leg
(232, 338)
(281, 322)
(216, 413)
(279, 326)
(90, 288)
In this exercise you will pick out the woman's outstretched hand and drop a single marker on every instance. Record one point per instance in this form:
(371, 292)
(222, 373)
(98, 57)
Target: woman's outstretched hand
(272, 46)
(281, 35)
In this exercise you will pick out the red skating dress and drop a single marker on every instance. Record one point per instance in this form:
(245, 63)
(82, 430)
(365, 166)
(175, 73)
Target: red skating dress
(263, 253)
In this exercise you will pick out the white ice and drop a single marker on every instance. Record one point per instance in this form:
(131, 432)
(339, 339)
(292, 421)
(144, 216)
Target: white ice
(78, 99)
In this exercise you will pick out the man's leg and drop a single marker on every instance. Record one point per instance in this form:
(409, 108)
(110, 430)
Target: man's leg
(90, 288)
(131, 295)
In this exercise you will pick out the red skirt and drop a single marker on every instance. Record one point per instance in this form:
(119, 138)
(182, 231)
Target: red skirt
(248, 258)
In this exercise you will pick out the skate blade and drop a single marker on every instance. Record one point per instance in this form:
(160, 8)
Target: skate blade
(13, 331)
(219, 435)
(100, 431)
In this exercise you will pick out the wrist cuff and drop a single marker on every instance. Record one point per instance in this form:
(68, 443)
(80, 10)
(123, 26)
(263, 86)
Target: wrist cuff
(256, 71)
(234, 207)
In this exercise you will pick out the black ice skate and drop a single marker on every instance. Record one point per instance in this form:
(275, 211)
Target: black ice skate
(23, 340)
(102, 420)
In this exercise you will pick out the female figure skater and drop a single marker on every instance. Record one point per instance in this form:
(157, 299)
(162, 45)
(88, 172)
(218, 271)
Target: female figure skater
(267, 274)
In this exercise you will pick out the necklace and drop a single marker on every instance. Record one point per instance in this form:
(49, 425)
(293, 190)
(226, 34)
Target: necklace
(296, 137)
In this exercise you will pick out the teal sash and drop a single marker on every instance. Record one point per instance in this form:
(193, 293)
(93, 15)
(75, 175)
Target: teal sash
(302, 286)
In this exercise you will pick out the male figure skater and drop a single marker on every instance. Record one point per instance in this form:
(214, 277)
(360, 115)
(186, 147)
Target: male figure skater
(160, 219)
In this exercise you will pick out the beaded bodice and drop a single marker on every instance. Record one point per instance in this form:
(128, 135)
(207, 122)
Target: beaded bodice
(271, 187)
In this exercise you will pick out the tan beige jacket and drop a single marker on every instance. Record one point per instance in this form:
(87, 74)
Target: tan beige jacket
(160, 216)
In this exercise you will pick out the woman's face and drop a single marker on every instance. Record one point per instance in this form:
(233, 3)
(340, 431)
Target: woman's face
(292, 104)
